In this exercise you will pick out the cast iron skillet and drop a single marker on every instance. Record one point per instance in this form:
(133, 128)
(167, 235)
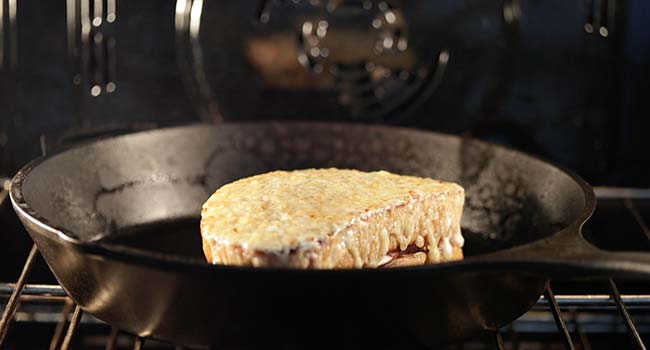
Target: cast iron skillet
(117, 222)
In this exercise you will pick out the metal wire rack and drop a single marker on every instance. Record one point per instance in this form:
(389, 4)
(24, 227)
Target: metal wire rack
(14, 296)
(70, 315)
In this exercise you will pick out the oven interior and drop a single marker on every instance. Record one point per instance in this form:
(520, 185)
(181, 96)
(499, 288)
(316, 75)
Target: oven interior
(564, 80)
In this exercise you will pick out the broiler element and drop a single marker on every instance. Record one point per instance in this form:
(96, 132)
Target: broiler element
(91, 45)
(8, 34)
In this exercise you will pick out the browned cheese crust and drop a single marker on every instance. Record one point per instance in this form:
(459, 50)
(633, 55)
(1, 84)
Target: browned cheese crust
(333, 218)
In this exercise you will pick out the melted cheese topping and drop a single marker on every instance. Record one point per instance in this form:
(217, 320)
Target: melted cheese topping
(325, 215)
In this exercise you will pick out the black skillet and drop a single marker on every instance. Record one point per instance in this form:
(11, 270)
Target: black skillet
(117, 222)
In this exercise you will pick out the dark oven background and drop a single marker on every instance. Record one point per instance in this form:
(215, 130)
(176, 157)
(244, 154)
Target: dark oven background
(561, 79)
(568, 80)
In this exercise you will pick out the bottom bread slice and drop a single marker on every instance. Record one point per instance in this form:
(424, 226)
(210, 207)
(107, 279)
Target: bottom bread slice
(417, 258)
(333, 218)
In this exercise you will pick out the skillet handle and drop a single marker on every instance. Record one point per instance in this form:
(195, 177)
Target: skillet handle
(568, 254)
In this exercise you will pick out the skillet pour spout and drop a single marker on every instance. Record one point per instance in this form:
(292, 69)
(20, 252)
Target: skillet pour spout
(569, 255)
(117, 222)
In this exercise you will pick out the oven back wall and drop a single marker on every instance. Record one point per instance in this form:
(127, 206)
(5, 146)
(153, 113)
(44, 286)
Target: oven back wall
(547, 77)
(524, 73)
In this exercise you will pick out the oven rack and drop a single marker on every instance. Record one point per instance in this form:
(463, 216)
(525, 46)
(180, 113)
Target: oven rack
(561, 307)
(68, 319)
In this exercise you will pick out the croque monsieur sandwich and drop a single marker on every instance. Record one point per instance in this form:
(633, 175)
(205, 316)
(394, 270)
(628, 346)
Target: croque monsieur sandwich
(333, 218)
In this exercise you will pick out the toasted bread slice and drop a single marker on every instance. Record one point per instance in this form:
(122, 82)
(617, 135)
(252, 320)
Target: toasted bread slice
(333, 218)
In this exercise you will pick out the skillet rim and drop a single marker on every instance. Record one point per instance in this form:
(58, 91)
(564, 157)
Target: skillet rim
(156, 259)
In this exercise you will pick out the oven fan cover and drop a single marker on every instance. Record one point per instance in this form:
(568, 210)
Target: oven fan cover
(343, 60)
